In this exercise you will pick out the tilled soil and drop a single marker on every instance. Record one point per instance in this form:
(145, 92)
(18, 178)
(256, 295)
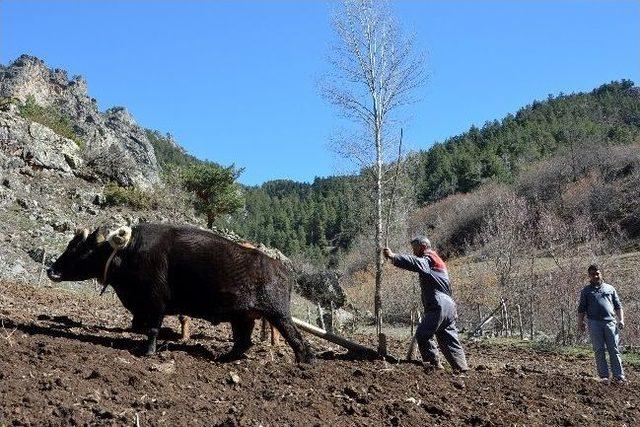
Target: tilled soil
(67, 359)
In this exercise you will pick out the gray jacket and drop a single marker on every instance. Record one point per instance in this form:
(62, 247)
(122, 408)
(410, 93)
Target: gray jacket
(434, 278)
(599, 302)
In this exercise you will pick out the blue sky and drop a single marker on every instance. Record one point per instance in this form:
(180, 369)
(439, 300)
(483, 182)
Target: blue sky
(235, 82)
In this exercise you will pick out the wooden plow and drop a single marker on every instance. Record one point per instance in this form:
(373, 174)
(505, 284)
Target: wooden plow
(353, 347)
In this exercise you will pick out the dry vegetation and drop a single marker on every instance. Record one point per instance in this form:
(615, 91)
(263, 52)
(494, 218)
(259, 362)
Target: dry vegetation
(530, 243)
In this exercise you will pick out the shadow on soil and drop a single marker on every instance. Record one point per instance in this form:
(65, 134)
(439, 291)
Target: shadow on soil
(61, 325)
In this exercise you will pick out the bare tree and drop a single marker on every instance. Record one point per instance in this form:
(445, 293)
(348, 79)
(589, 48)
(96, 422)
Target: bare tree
(374, 74)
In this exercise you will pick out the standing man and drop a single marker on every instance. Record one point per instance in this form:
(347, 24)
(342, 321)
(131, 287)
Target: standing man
(439, 309)
(601, 304)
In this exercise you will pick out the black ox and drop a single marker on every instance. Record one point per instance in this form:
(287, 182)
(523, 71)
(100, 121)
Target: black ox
(167, 269)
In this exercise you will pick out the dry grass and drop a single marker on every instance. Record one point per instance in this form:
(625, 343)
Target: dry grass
(475, 281)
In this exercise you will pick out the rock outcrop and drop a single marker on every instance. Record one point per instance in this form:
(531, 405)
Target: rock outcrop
(30, 144)
(116, 148)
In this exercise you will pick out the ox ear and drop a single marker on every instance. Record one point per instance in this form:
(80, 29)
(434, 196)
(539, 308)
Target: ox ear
(82, 233)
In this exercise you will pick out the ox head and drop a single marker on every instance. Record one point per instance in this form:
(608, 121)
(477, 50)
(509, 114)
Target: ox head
(84, 257)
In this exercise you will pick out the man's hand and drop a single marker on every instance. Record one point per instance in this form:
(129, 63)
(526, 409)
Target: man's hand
(580, 319)
(621, 324)
(388, 253)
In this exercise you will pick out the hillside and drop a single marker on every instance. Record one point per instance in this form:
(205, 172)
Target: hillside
(510, 151)
(500, 150)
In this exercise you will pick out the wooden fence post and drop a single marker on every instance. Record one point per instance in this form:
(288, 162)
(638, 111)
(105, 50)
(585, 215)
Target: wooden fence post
(503, 328)
(488, 318)
(320, 317)
(330, 326)
(520, 322)
(532, 329)
(44, 259)
(564, 340)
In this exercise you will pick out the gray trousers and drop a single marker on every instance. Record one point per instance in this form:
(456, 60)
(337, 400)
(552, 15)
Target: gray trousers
(604, 334)
(439, 324)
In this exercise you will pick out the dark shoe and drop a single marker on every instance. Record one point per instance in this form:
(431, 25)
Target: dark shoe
(461, 371)
(619, 380)
(432, 367)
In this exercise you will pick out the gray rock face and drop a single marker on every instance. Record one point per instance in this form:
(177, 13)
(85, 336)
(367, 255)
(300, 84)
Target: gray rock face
(24, 143)
(49, 185)
(116, 147)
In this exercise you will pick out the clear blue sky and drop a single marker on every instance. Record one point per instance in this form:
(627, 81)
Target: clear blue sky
(234, 82)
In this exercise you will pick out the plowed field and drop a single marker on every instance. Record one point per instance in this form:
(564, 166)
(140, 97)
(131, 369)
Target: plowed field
(67, 359)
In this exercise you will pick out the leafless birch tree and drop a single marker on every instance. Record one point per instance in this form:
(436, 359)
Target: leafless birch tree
(374, 74)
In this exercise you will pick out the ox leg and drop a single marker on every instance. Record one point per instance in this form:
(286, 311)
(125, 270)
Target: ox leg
(185, 322)
(300, 347)
(137, 325)
(152, 339)
(242, 328)
(154, 324)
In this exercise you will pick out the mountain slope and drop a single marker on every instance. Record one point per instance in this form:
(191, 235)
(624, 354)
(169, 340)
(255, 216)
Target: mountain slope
(500, 151)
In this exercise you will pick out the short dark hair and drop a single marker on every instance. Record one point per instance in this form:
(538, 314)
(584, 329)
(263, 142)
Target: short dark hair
(421, 240)
(593, 267)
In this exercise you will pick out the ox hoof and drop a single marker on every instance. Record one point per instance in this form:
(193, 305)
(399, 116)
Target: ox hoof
(308, 358)
(145, 350)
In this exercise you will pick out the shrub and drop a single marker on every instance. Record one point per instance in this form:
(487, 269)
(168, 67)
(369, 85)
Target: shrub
(215, 189)
(127, 196)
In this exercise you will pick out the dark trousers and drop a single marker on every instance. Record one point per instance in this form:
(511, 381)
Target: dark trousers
(439, 324)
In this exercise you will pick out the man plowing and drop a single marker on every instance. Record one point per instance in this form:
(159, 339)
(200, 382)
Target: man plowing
(440, 313)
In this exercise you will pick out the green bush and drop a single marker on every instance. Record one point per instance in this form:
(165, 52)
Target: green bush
(215, 189)
(51, 118)
(127, 196)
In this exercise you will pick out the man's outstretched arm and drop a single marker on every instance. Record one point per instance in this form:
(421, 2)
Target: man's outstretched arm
(408, 262)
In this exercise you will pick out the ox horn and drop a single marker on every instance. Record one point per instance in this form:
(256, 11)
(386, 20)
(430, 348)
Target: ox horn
(101, 235)
(83, 232)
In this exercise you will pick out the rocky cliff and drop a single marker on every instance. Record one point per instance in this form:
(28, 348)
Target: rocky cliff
(50, 184)
(114, 148)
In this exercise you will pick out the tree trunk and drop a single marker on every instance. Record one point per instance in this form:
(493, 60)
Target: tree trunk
(378, 219)
(532, 321)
